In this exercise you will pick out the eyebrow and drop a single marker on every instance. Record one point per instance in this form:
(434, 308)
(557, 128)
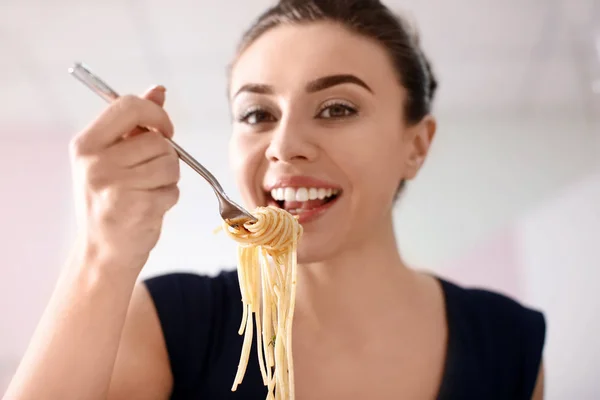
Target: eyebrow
(316, 85)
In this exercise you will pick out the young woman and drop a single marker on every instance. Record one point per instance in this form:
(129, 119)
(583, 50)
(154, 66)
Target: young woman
(332, 106)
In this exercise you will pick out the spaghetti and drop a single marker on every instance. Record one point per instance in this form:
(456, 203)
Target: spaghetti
(267, 268)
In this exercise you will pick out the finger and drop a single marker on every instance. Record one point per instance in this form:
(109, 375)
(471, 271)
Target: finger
(119, 119)
(155, 95)
(139, 149)
(167, 196)
(156, 173)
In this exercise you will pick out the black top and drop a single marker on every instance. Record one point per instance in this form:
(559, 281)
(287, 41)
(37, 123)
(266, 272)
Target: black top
(494, 343)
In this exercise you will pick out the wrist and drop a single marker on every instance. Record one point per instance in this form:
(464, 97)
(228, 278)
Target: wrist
(97, 262)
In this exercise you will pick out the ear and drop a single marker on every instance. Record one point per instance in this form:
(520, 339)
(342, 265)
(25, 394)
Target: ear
(420, 137)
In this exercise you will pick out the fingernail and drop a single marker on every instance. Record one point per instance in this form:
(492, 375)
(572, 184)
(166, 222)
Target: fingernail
(160, 88)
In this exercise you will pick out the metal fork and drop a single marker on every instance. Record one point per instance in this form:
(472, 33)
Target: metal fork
(231, 212)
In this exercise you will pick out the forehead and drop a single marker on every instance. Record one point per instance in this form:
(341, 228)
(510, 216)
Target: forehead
(289, 55)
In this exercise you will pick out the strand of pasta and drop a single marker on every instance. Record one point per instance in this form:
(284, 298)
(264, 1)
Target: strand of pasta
(269, 295)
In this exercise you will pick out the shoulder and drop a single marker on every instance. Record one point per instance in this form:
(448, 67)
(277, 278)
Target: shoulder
(484, 310)
(498, 334)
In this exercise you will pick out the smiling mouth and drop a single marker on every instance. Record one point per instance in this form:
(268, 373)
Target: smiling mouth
(304, 201)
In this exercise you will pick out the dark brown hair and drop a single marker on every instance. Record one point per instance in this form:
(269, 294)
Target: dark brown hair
(371, 19)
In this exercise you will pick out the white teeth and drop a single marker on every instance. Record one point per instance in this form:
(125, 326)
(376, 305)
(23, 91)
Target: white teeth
(277, 194)
(289, 194)
(280, 194)
(302, 194)
(296, 211)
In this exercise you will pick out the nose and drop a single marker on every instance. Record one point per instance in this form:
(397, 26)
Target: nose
(291, 143)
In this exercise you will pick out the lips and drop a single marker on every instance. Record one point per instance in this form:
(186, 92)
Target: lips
(306, 197)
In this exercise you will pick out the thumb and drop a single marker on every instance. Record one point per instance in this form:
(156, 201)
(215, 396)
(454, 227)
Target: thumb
(156, 95)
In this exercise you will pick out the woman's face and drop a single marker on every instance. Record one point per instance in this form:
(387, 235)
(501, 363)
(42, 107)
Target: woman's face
(319, 130)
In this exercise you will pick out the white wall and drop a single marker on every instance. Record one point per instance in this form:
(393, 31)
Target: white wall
(560, 259)
(35, 213)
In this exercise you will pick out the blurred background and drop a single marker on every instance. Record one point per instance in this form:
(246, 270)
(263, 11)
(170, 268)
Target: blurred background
(509, 198)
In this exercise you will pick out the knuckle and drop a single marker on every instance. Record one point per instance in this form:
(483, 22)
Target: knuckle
(162, 120)
(96, 175)
(127, 101)
(170, 196)
(145, 113)
(153, 136)
(127, 213)
(173, 168)
(76, 146)
(166, 169)
(168, 123)
(114, 196)
(171, 150)
(176, 194)
(129, 105)
(126, 204)
(110, 202)
(158, 143)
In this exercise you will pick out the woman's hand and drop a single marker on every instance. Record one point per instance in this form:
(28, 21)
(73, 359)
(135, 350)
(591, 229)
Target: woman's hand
(125, 180)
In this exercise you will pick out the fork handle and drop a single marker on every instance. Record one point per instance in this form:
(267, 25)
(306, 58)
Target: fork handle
(196, 166)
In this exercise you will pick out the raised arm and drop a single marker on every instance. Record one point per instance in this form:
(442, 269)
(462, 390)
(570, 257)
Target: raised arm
(125, 180)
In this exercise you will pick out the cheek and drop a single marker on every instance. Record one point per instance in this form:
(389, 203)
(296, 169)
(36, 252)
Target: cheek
(370, 160)
(246, 158)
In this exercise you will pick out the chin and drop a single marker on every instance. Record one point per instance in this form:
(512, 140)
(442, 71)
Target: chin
(313, 249)
(326, 238)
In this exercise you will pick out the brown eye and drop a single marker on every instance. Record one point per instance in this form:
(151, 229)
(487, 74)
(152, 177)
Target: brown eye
(256, 116)
(336, 110)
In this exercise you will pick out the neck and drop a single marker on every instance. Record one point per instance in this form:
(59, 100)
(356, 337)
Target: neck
(360, 279)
